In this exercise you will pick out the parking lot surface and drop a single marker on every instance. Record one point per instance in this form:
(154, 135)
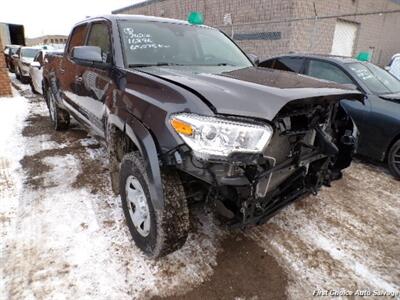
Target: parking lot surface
(63, 233)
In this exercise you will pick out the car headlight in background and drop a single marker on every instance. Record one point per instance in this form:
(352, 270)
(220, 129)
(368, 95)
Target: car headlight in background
(217, 137)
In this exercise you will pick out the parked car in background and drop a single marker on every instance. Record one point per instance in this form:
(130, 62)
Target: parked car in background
(378, 119)
(23, 59)
(187, 122)
(36, 69)
(394, 66)
(9, 51)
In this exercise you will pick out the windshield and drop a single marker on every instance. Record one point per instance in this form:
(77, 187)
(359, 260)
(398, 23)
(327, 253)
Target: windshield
(30, 53)
(376, 79)
(13, 50)
(156, 43)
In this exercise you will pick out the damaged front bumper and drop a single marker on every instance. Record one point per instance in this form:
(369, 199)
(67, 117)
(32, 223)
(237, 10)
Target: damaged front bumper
(310, 147)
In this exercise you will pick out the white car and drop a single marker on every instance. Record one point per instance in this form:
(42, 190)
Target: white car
(23, 59)
(394, 66)
(36, 69)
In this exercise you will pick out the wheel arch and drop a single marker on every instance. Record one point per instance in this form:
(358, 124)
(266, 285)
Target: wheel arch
(392, 142)
(142, 141)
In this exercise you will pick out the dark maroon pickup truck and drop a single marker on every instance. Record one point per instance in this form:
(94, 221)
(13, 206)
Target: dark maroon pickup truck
(188, 117)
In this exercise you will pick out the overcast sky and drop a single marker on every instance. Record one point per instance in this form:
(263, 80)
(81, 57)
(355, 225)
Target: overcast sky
(41, 17)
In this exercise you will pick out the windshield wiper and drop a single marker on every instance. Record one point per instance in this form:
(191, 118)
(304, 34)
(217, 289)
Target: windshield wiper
(226, 64)
(160, 64)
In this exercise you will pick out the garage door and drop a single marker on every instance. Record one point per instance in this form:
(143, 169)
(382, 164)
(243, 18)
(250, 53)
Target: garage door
(344, 38)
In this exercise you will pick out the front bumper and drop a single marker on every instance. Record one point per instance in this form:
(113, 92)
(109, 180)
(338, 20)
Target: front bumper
(259, 189)
(295, 163)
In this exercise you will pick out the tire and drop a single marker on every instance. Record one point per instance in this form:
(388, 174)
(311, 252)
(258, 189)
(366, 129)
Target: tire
(394, 160)
(168, 229)
(18, 73)
(60, 118)
(33, 88)
(24, 79)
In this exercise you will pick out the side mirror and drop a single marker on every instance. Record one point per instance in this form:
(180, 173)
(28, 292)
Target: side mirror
(14, 56)
(254, 58)
(387, 68)
(88, 54)
(35, 64)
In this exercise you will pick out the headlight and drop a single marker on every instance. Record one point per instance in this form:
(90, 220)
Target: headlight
(216, 137)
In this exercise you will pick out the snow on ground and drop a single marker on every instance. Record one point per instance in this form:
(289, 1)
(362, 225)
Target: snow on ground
(63, 233)
(347, 237)
(61, 240)
(13, 112)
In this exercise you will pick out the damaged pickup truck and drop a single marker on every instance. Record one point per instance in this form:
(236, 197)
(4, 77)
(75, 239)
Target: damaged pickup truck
(187, 117)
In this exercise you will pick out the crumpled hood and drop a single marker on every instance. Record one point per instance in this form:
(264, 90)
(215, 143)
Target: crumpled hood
(251, 92)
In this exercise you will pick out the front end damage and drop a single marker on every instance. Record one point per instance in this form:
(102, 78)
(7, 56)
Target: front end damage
(312, 142)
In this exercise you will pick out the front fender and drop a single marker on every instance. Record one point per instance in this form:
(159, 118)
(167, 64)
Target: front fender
(144, 141)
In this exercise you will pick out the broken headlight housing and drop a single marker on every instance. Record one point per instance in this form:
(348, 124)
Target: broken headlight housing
(218, 137)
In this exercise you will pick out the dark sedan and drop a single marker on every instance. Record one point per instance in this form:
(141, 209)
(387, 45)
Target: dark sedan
(378, 120)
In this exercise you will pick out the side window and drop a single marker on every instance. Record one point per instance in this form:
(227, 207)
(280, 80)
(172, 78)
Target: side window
(267, 63)
(40, 58)
(77, 37)
(99, 36)
(327, 71)
(292, 64)
(37, 57)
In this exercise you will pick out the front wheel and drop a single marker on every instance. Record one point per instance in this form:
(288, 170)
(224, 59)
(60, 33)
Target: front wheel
(394, 159)
(18, 73)
(33, 88)
(59, 117)
(156, 232)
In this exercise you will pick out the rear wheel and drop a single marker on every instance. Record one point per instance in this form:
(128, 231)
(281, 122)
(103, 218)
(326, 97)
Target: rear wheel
(394, 159)
(156, 233)
(59, 117)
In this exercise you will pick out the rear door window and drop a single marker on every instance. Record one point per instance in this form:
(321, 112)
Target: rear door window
(78, 37)
(291, 64)
(267, 63)
(327, 71)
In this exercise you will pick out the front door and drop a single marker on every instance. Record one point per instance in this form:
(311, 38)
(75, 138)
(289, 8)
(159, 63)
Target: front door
(96, 83)
(69, 75)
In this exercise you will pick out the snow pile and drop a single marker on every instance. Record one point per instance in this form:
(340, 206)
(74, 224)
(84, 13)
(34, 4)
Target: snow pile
(65, 241)
(13, 111)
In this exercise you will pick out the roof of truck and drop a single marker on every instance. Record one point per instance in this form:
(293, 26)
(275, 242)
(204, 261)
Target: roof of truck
(139, 18)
